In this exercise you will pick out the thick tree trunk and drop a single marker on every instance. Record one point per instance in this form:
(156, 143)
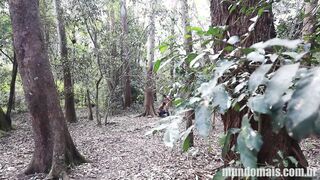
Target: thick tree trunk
(149, 95)
(190, 115)
(238, 24)
(90, 116)
(10, 105)
(127, 86)
(54, 148)
(150, 84)
(69, 104)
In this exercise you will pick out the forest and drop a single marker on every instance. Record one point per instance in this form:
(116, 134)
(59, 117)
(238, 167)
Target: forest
(159, 89)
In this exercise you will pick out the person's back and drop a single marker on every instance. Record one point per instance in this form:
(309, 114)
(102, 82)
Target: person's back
(161, 110)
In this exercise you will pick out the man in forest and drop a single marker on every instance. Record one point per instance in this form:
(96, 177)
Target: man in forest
(163, 110)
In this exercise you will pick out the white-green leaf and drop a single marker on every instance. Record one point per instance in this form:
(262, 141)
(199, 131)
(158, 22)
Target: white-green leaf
(255, 56)
(196, 59)
(279, 83)
(291, 44)
(233, 40)
(303, 109)
(171, 135)
(203, 120)
(258, 76)
(249, 143)
(221, 98)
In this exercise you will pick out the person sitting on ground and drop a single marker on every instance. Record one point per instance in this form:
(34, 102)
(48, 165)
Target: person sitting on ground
(161, 110)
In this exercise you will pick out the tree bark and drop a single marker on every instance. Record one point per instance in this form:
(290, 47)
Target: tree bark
(54, 148)
(12, 90)
(97, 102)
(150, 85)
(69, 104)
(125, 51)
(310, 20)
(4, 126)
(90, 116)
(188, 46)
(237, 24)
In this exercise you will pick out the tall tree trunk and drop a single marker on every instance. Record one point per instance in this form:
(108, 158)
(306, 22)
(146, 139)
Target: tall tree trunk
(54, 148)
(310, 20)
(90, 116)
(97, 102)
(12, 89)
(238, 24)
(69, 104)
(150, 85)
(125, 51)
(189, 115)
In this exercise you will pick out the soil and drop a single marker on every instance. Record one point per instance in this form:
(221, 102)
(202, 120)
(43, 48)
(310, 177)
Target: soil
(121, 150)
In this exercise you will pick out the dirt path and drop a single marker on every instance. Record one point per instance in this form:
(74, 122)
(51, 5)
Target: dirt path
(122, 151)
(117, 151)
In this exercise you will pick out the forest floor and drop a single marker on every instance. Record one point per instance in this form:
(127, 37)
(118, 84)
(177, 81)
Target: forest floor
(121, 150)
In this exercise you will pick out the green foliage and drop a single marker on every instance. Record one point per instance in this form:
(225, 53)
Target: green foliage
(203, 120)
(303, 109)
(266, 82)
(249, 143)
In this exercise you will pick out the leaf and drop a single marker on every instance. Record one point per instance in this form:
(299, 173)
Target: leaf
(255, 57)
(249, 143)
(203, 120)
(215, 31)
(291, 44)
(221, 98)
(196, 59)
(156, 65)
(258, 76)
(172, 134)
(222, 66)
(164, 123)
(178, 101)
(279, 83)
(294, 55)
(163, 47)
(233, 40)
(293, 160)
(303, 108)
(229, 48)
(227, 140)
(197, 29)
(206, 89)
(257, 104)
(165, 63)
(191, 57)
(278, 120)
(186, 139)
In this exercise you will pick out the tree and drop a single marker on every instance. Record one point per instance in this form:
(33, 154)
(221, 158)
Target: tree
(310, 20)
(69, 104)
(188, 46)
(237, 23)
(125, 55)
(4, 126)
(93, 31)
(150, 84)
(54, 148)
(5, 122)
(90, 114)
(10, 105)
